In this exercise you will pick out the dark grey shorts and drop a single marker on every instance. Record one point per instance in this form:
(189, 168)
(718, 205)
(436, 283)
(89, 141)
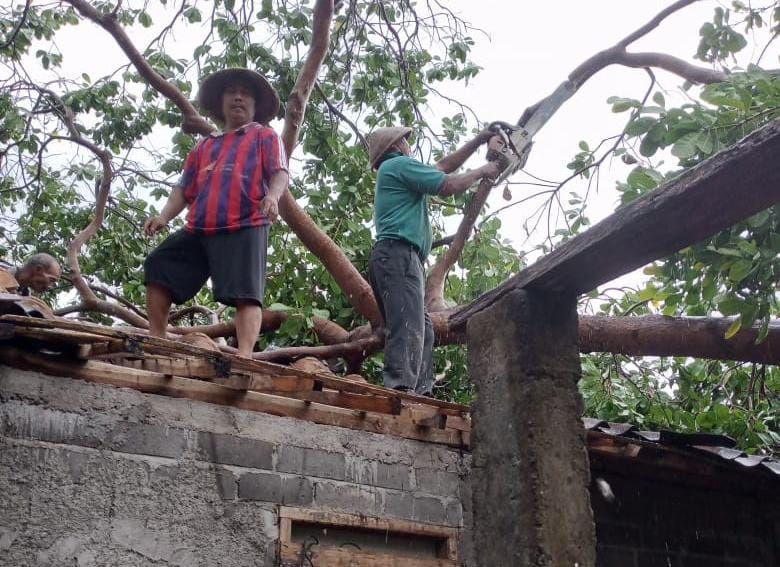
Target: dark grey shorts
(235, 261)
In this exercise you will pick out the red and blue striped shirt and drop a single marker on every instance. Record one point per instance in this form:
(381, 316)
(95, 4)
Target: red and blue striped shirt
(226, 176)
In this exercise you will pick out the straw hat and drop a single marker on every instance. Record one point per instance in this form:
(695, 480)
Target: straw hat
(381, 139)
(266, 98)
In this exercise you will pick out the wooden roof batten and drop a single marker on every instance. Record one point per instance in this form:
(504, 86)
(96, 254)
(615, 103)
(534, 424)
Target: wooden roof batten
(126, 358)
(723, 190)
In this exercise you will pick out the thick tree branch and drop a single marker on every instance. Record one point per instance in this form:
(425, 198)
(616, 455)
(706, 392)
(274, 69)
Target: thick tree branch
(697, 337)
(193, 121)
(672, 64)
(338, 265)
(434, 286)
(358, 349)
(656, 335)
(617, 55)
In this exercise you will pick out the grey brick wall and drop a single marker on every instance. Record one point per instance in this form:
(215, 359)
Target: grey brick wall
(92, 475)
(652, 522)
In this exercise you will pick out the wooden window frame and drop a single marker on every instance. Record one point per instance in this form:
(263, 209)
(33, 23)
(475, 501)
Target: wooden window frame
(290, 552)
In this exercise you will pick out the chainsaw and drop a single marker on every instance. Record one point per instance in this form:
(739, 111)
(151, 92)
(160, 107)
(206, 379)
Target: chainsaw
(517, 139)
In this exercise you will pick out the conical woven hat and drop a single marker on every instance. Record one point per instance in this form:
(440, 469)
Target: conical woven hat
(380, 140)
(266, 98)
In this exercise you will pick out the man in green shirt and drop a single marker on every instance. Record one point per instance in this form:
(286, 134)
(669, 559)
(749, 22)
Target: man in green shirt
(403, 234)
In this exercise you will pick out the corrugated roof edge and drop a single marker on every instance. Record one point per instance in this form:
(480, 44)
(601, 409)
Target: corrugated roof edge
(719, 445)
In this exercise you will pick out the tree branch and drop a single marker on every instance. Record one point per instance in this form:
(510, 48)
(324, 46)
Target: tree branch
(361, 348)
(320, 244)
(193, 121)
(17, 29)
(434, 286)
(617, 54)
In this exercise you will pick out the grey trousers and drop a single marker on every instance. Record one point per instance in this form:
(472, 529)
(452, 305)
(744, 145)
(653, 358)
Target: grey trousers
(398, 280)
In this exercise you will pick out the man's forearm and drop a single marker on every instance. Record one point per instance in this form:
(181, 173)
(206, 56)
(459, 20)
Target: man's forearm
(174, 205)
(460, 183)
(277, 185)
(453, 161)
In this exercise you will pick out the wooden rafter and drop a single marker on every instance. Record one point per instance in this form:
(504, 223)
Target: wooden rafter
(110, 355)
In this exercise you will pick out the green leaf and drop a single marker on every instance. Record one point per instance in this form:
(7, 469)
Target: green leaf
(640, 125)
(324, 313)
(144, 19)
(686, 146)
(192, 14)
(730, 306)
(733, 328)
(739, 270)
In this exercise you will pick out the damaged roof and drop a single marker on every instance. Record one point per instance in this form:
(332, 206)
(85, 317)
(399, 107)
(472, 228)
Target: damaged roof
(123, 357)
(707, 446)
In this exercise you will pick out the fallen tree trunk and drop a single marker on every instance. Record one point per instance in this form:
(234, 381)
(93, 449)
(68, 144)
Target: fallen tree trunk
(654, 335)
(697, 337)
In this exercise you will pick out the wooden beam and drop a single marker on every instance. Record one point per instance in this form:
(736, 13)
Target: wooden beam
(346, 557)
(380, 404)
(328, 518)
(176, 386)
(725, 189)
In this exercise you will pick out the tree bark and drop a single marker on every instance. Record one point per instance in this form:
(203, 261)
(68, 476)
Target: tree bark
(697, 337)
(434, 286)
(320, 244)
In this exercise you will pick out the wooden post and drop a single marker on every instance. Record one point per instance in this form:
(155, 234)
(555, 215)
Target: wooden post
(530, 473)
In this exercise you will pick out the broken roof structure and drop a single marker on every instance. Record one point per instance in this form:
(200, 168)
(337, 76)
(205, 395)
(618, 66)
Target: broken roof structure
(511, 486)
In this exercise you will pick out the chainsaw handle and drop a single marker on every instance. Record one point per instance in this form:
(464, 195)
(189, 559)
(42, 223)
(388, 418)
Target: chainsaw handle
(498, 126)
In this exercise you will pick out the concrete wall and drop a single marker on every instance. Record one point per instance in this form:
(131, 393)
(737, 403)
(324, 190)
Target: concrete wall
(92, 475)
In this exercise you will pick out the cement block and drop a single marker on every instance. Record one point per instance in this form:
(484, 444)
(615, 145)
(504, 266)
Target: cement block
(22, 421)
(454, 513)
(297, 491)
(232, 450)
(350, 498)
(399, 505)
(77, 464)
(360, 471)
(437, 482)
(430, 510)
(311, 462)
(227, 487)
(266, 487)
(145, 439)
(396, 476)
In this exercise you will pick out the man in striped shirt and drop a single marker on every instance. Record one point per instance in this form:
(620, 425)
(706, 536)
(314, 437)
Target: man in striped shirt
(232, 182)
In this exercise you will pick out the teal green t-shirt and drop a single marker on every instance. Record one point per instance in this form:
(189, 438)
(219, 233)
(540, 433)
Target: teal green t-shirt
(401, 200)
